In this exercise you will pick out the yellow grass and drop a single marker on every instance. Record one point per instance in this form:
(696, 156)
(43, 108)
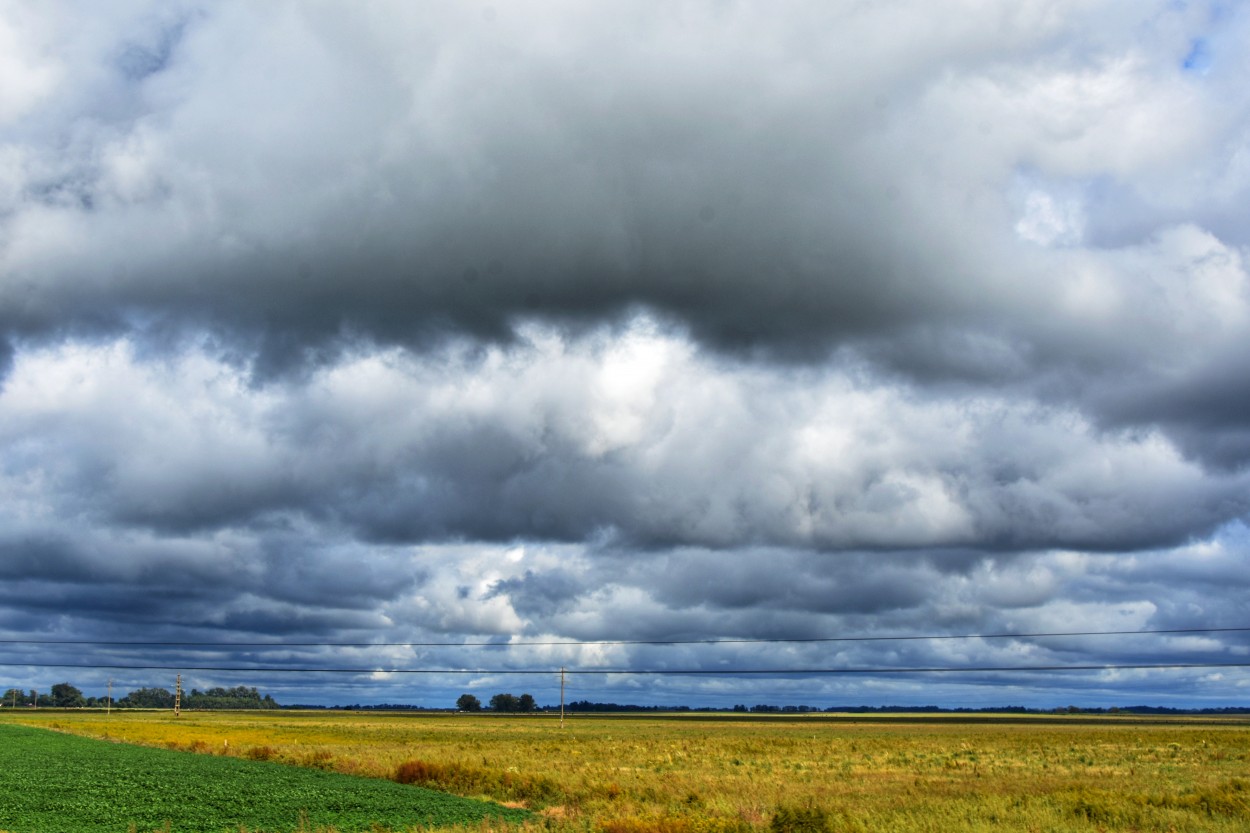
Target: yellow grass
(714, 774)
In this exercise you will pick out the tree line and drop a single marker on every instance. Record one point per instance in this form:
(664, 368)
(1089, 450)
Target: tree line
(499, 703)
(66, 696)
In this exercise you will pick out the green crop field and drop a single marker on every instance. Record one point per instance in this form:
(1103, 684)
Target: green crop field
(706, 773)
(52, 782)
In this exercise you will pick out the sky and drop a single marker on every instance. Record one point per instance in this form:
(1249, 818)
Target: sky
(456, 323)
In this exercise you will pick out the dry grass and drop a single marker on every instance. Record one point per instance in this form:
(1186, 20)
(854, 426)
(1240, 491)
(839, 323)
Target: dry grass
(713, 774)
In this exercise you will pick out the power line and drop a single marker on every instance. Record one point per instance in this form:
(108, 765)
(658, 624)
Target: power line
(594, 642)
(717, 672)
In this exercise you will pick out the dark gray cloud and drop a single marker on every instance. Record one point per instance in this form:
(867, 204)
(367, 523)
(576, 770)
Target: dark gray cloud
(538, 595)
(848, 585)
(763, 190)
(416, 324)
(6, 359)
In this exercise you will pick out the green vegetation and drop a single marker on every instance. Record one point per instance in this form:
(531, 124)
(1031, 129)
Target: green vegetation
(755, 773)
(239, 697)
(57, 782)
(468, 703)
(66, 696)
(512, 703)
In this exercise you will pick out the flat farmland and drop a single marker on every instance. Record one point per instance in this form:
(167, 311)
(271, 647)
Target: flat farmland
(51, 782)
(792, 774)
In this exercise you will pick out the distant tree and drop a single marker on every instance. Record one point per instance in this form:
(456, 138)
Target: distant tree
(468, 703)
(239, 697)
(147, 698)
(15, 697)
(503, 703)
(525, 703)
(65, 696)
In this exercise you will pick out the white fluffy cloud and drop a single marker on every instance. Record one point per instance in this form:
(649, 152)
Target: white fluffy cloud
(630, 435)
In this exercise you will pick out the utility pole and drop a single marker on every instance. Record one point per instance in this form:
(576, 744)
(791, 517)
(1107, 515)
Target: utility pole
(108, 701)
(561, 696)
(178, 697)
(34, 697)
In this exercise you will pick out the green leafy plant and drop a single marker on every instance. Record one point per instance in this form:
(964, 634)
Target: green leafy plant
(54, 781)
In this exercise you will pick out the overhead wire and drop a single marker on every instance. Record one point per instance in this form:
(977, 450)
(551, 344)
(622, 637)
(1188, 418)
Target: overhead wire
(719, 672)
(609, 642)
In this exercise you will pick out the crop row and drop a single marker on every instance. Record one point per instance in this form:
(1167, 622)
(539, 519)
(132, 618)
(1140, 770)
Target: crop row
(56, 782)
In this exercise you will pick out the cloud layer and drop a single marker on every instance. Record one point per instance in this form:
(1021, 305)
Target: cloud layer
(719, 319)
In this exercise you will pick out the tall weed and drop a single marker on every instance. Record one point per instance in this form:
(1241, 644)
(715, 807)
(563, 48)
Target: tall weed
(469, 780)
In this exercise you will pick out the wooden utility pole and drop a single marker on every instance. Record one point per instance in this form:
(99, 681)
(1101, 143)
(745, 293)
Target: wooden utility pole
(178, 696)
(108, 700)
(561, 696)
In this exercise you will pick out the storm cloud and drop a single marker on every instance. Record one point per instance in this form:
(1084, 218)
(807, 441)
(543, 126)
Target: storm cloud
(465, 322)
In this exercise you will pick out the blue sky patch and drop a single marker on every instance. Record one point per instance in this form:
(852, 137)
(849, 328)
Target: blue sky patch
(1199, 58)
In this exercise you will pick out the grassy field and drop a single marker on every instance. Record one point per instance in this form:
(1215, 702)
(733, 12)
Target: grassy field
(708, 774)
